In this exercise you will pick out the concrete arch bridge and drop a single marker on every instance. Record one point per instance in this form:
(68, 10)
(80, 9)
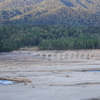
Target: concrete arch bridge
(64, 56)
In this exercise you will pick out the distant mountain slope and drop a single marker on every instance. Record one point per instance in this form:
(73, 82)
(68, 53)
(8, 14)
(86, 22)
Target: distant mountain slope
(87, 4)
(8, 4)
(69, 16)
(84, 12)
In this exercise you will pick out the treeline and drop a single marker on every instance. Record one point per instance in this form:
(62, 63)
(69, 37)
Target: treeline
(51, 37)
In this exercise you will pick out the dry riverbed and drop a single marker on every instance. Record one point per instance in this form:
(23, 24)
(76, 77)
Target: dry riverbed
(42, 79)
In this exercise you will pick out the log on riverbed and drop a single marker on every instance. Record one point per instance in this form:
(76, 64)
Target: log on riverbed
(16, 79)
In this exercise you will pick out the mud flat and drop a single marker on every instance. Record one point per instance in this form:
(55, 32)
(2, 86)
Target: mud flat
(72, 79)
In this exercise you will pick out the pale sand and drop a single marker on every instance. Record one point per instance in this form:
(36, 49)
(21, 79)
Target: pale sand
(51, 80)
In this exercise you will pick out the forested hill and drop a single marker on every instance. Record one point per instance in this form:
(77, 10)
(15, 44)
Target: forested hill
(49, 37)
(68, 12)
(49, 24)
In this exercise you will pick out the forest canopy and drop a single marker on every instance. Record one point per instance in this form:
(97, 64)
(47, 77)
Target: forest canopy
(49, 37)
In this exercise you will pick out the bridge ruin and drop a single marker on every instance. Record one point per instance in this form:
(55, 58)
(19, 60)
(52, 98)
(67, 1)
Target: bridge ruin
(65, 55)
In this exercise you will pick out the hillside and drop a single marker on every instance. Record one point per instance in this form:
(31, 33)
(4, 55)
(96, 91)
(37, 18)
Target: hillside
(12, 4)
(70, 12)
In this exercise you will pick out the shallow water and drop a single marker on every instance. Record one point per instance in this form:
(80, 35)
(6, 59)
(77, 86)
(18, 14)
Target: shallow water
(5, 82)
(94, 71)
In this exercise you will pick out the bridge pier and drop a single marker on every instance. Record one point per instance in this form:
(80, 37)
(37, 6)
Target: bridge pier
(69, 56)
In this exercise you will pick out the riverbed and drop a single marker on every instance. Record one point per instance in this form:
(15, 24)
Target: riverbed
(72, 79)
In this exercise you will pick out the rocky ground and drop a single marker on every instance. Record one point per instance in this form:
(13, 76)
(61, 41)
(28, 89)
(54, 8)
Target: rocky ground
(73, 79)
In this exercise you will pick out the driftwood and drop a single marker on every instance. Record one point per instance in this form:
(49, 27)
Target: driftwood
(16, 79)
